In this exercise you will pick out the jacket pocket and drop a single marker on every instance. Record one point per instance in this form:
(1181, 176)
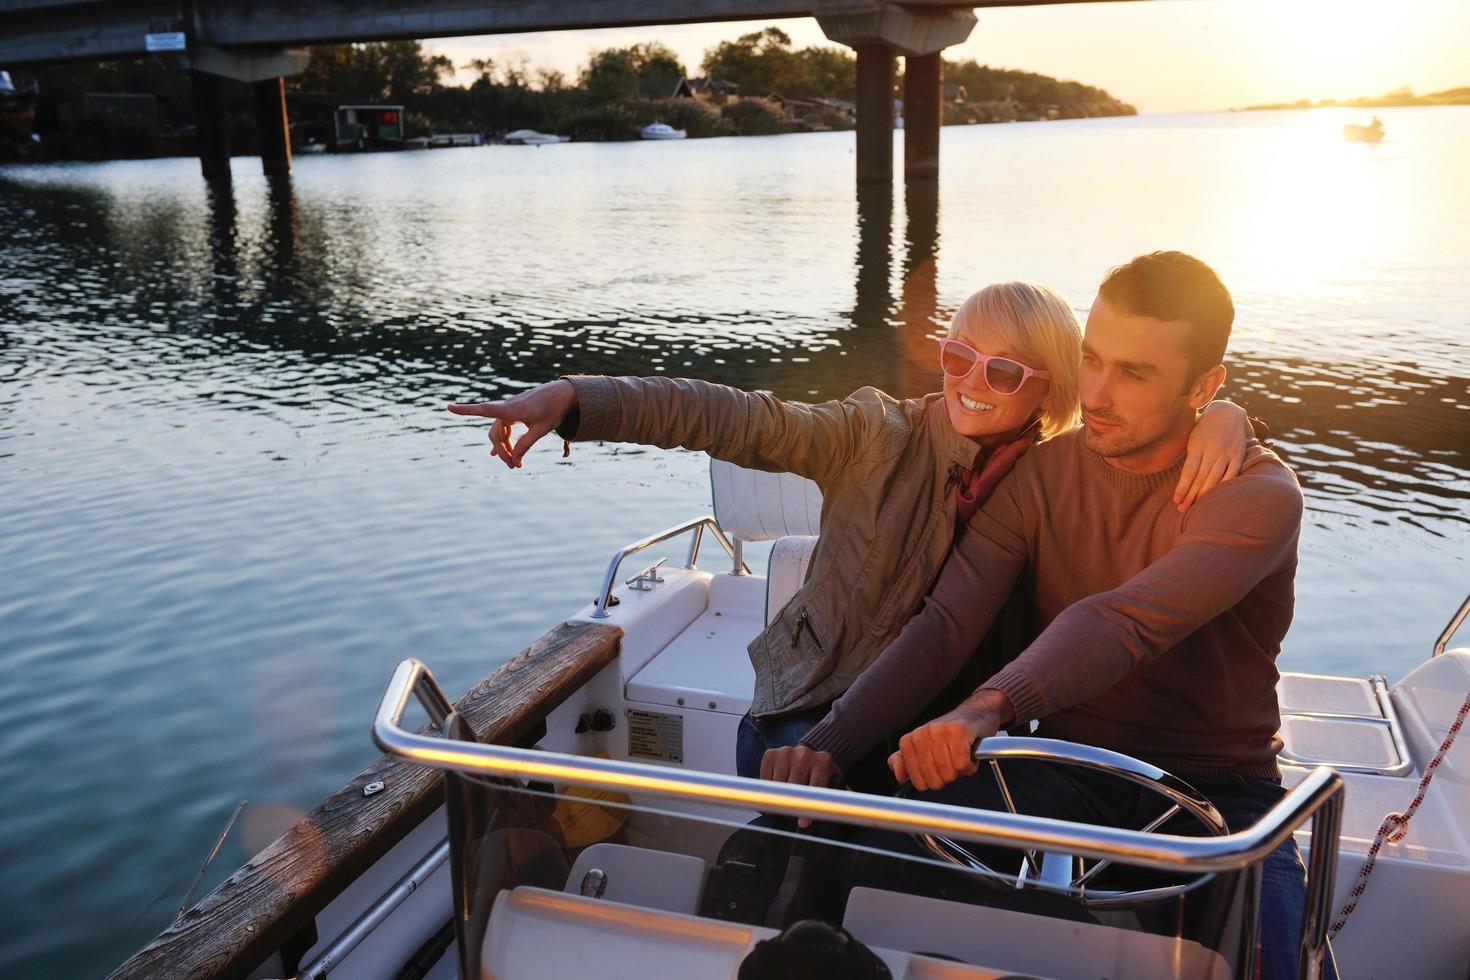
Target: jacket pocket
(804, 627)
(801, 650)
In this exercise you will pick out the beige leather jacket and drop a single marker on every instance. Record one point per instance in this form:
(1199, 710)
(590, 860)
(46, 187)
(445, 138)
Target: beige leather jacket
(887, 470)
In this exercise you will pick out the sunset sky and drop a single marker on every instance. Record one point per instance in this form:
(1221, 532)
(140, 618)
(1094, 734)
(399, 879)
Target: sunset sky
(1161, 55)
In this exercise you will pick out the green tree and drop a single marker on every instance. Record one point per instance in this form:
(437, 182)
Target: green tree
(825, 73)
(758, 62)
(763, 62)
(652, 58)
(610, 76)
(397, 71)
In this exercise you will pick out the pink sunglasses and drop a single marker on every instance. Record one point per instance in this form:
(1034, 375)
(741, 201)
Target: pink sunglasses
(959, 360)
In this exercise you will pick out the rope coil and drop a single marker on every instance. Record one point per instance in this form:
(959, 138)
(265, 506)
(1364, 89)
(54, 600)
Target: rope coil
(1396, 825)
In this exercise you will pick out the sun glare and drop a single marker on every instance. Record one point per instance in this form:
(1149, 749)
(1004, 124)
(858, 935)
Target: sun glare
(1326, 47)
(1306, 215)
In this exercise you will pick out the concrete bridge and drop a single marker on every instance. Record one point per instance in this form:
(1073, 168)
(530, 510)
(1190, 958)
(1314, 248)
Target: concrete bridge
(258, 41)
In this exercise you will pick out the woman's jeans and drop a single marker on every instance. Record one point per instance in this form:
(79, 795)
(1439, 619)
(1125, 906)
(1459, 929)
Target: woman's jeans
(756, 735)
(868, 775)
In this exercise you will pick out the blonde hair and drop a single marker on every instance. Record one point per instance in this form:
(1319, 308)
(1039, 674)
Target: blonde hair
(1036, 325)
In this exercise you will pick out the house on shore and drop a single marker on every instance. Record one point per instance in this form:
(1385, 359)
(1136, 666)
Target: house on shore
(343, 124)
(665, 87)
(715, 91)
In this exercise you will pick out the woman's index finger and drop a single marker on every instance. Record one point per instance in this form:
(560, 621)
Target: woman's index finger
(487, 410)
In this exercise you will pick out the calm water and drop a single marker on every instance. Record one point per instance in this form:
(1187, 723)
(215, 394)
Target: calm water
(231, 501)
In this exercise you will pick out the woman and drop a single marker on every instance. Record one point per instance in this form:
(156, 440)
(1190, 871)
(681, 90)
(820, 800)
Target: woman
(898, 478)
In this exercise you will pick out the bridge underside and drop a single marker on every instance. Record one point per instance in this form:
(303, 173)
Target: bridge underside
(60, 30)
(37, 30)
(245, 40)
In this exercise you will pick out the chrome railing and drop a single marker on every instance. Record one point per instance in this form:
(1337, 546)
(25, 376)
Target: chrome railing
(697, 526)
(1451, 626)
(1318, 796)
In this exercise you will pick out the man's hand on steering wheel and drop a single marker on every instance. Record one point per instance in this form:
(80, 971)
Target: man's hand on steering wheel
(939, 752)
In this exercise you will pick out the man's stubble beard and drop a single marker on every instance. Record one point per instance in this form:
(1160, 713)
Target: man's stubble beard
(1126, 442)
(1111, 445)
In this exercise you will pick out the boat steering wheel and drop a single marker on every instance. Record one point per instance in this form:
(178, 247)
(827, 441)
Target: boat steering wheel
(1069, 873)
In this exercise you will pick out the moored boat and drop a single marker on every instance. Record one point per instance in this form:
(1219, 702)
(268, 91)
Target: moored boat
(529, 137)
(662, 131)
(579, 805)
(17, 117)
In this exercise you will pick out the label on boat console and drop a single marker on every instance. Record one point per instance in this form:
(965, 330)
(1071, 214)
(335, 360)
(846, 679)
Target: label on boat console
(655, 735)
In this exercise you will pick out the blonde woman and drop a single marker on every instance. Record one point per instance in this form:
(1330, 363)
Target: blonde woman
(899, 479)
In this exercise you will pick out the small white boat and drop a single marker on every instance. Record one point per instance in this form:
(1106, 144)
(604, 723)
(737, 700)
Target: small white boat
(662, 131)
(578, 806)
(529, 137)
(1371, 133)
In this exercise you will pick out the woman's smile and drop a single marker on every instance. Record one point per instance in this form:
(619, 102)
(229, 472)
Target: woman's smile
(970, 404)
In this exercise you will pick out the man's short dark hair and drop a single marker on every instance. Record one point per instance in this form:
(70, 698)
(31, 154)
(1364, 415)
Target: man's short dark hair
(1176, 286)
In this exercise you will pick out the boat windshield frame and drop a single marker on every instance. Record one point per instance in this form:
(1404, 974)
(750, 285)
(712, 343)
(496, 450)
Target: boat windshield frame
(1318, 797)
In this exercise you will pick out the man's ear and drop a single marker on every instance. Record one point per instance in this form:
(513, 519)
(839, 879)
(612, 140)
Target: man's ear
(1203, 390)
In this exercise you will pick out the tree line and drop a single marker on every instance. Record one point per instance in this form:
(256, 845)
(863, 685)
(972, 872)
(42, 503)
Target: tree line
(615, 93)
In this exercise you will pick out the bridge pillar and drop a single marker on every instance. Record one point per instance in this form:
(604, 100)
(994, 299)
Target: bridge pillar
(919, 35)
(211, 126)
(263, 71)
(923, 98)
(270, 122)
(874, 114)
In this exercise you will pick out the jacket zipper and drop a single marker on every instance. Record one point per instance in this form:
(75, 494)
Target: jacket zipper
(804, 623)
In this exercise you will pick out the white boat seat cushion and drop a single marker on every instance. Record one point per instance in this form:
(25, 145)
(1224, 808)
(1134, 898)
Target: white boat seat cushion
(786, 571)
(755, 505)
(639, 876)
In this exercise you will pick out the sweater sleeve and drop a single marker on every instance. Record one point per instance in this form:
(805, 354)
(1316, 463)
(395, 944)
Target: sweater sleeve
(747, 428)
(935, 644)
(1233, 537)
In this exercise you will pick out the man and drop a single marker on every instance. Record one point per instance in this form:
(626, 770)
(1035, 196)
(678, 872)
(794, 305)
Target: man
(1161, 628)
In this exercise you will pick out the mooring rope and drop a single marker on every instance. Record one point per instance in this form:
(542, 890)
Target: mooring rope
(1396, 825)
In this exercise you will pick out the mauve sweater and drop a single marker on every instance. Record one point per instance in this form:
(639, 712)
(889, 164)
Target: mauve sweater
(1161, 629)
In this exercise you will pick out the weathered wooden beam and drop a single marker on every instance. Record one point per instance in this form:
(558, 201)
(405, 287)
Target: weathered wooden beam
(234, 928)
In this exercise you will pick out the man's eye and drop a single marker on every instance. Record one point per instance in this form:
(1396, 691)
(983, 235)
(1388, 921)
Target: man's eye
(1132, 375)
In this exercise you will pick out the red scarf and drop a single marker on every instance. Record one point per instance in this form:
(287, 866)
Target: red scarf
(977, 482)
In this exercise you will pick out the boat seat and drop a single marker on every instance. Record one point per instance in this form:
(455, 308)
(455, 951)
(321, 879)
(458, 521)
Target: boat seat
(643, 877)
(756, 505)
(536, 934)
(786, 570)
(1345, 722)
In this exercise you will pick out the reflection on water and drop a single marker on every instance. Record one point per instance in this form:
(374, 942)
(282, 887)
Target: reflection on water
(232, 500)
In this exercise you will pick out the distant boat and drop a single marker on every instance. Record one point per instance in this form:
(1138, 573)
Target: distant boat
(529, 137)
(661, 131)
(441, 140)
(1371, 133)
(17, 113)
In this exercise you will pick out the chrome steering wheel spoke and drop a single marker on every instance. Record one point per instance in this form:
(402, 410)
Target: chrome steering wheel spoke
(1063, 872)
